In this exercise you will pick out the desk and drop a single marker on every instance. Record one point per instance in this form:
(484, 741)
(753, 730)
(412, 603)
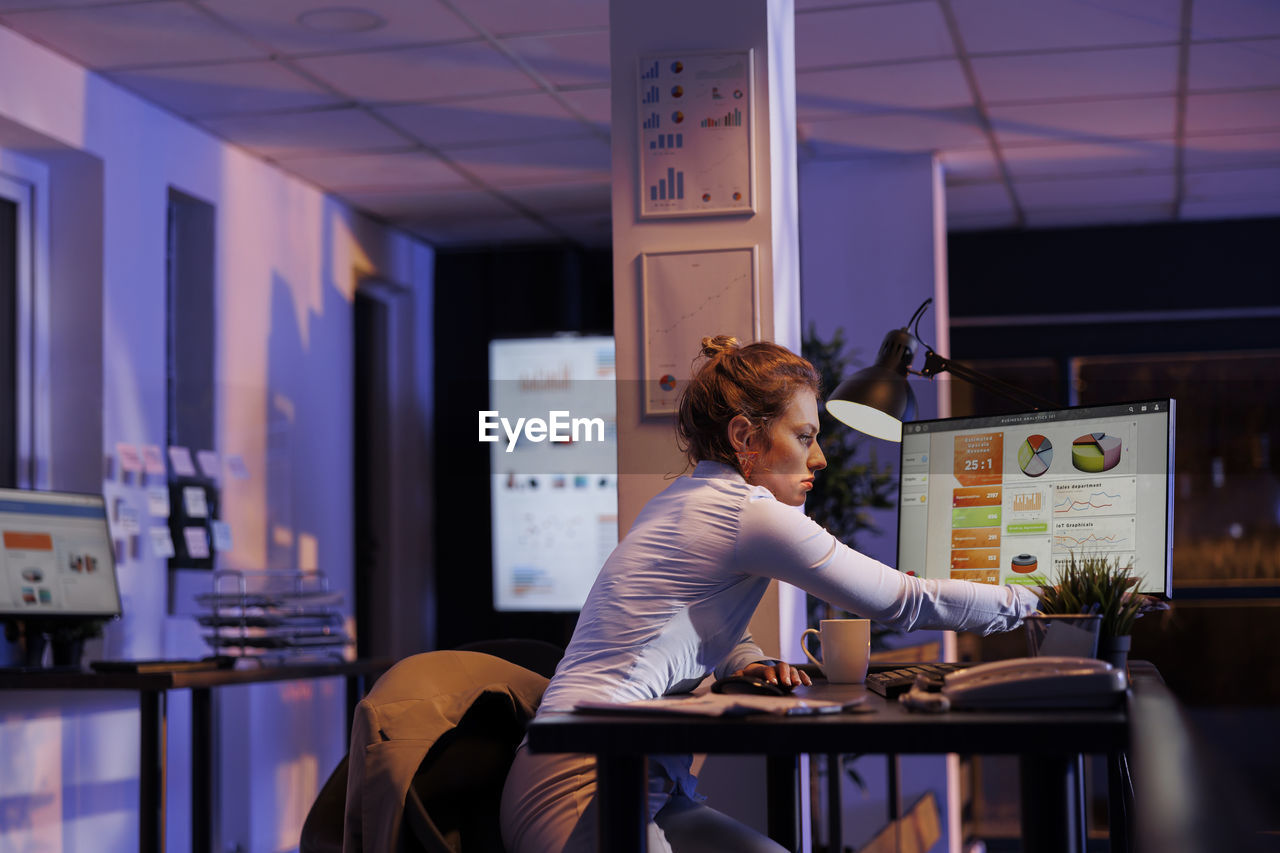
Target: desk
(152, 688)
(1049, 742)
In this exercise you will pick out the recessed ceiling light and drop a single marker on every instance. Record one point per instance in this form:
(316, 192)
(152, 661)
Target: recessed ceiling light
(341, 19)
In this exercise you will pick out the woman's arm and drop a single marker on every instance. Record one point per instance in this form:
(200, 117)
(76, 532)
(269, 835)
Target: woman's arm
(778, 541)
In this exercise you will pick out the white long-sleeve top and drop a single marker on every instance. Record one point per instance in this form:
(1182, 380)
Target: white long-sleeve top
(672, 602)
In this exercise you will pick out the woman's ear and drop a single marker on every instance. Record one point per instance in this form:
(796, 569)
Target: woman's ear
(740, 433)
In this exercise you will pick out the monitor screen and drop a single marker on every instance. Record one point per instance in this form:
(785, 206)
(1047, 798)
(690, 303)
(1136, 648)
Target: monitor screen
(553, 451)
(56, 556)
(1007, 498)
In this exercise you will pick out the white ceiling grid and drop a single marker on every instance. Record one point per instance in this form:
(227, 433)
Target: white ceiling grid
(487, 121)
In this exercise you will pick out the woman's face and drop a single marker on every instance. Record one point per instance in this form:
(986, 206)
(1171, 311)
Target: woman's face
(787, 467)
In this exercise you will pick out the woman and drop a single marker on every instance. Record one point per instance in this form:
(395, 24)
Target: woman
(672, 602)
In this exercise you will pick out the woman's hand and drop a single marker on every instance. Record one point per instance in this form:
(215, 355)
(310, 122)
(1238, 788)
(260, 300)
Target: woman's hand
(782, 674)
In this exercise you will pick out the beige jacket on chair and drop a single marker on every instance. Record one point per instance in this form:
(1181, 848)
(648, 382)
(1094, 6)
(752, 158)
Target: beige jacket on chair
(416, 702)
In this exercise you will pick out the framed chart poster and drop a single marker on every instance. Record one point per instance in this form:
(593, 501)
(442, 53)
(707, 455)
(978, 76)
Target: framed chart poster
(688, 296)
(696, 148)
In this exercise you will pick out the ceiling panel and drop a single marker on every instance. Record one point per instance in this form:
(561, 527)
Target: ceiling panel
(576, 59)
(1119, 156)
(37, 5)
(1002, 25)
(913, 85)
(443, 125)
(1241, 149)
(275, 23)
(985, 198)
(562, 199)
(421, 74)
(871, 34)
(1095, 191)
(505, 17)
(424, 204)
(1235, 18)
(1093, 214)
(1232, 183)
(966, 165)
(538, 162)
(899, 133)
(591, 104)
(240, 87)
(981, 221)
(133, 35)
(282, 135)
(487, 231)
(375, 172)
(1234, 65)
(1233, 111)
(1078, 74)
(1236, 208)
(1075, 121)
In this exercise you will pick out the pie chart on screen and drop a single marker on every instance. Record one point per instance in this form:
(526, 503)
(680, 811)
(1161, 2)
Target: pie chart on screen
(1035, 455)
(1094, 452)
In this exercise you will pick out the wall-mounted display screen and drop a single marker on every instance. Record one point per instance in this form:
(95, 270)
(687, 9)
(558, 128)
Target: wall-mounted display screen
(552, 431)
(56, 556)
(1007, 498)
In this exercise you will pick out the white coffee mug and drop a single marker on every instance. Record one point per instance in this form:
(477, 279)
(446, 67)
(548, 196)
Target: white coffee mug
(846, 649)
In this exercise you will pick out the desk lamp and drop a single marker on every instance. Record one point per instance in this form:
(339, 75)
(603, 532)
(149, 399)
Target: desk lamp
(877, 399)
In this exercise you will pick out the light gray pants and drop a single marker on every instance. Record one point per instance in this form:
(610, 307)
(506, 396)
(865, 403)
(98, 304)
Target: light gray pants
(548, 806)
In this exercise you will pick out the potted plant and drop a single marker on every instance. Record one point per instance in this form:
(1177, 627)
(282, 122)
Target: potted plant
(1097, 584)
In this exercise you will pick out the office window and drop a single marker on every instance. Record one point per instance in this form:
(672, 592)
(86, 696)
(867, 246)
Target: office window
(191, 319)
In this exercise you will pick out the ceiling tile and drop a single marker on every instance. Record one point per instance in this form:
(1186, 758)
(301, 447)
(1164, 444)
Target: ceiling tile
(593, 104)
(420, 74)
(375, 172)
(899, 132)
(425, 204)
(1234, 65)
(1236, 208)
(563, 199)
(506, 17)
(1132, 156)
(809, 5)
(443, 125)
(1099, 215)
(283, 135)
(538, 162)
(1232, 183)
(1100, 192)
(133, 34)
(1075, 121)
(1077, 74)
(1233, 111)
(981, 221)
(240, 87)
(971, 199)
(40, 5)
(276, 23)
(871, 34)
(968, 165)
(593, 230)
(1235, 18)
(913, 85)
(1242, 149)
(999, 25)
(576, 59)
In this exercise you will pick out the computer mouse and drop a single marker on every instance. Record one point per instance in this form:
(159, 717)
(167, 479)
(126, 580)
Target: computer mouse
(749, 685)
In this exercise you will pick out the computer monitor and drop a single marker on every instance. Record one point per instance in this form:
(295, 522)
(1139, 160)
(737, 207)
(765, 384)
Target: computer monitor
(56, 557)
(1007, 498)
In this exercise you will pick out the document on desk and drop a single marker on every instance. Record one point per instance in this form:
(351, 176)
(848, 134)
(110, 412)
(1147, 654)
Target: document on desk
(719, 705)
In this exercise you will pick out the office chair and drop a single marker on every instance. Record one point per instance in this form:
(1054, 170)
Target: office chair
(430, 750)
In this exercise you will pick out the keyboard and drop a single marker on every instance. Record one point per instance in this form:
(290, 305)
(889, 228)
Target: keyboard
(891, 683)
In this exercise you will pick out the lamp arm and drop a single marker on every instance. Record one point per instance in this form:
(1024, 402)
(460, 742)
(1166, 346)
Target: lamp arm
(935, 364)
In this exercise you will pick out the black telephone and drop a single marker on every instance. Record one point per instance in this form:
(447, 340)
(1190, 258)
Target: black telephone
(1039, 682)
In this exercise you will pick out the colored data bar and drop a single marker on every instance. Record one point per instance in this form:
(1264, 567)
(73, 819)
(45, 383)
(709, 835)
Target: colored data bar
(667, 140)
(670, 188)
(652, 122)
(652, 73)
(652, 95)
(733, 119)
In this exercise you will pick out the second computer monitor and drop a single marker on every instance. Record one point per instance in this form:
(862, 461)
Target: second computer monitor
(1008, 498)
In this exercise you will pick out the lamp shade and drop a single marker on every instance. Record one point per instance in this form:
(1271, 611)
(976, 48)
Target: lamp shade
(877, 399)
